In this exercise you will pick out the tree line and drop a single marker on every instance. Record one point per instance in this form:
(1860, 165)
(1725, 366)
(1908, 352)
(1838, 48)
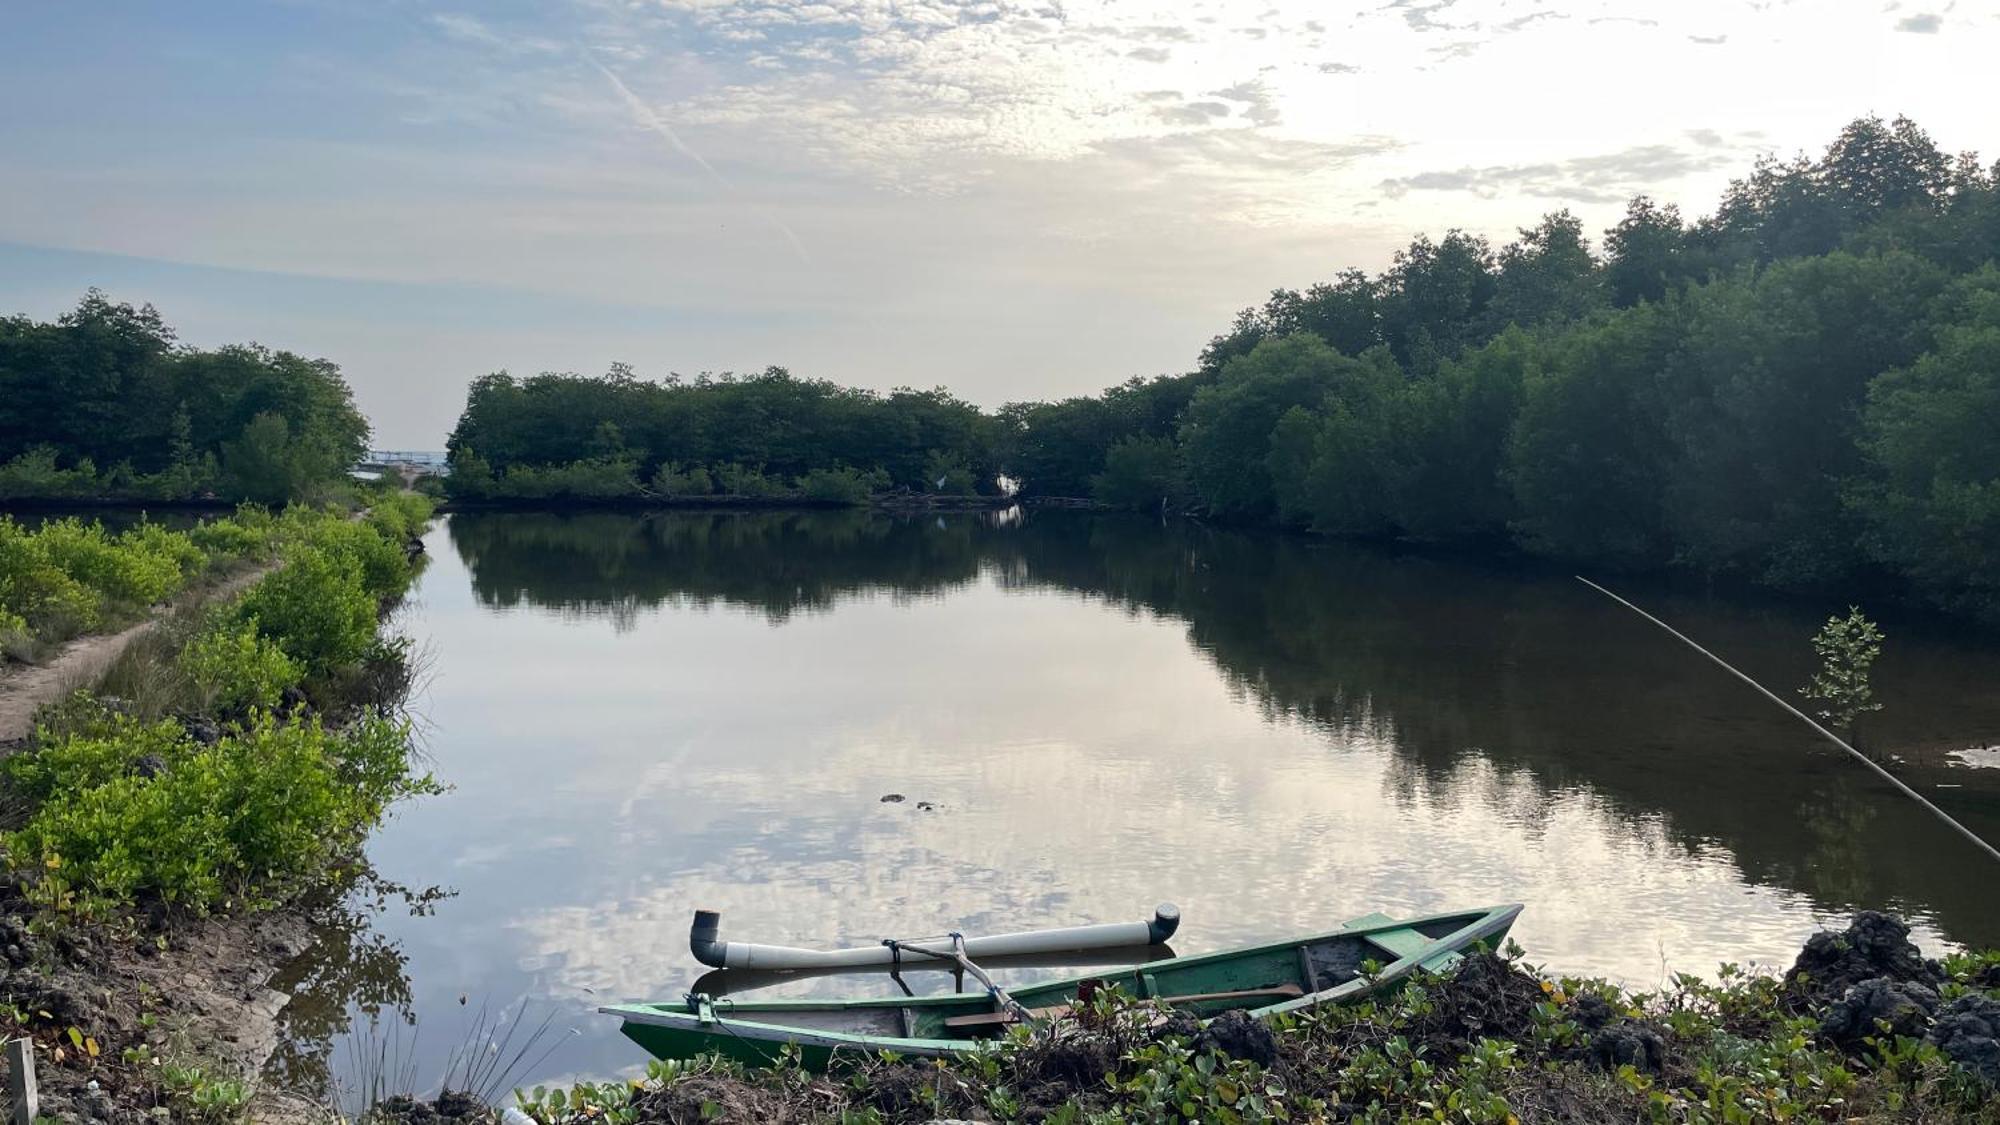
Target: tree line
(1801, 389)
(105, 403)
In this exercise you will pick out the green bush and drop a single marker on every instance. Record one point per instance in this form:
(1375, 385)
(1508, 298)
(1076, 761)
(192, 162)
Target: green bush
(34, 475)
(315, 608)
(204, 827)
(136, 568)
(672, 480)
(741, 480)
(235, 537)
(35, 591)
(838, 486)
(400, 516)
(384, 568)
(234, 668)
(97, 746)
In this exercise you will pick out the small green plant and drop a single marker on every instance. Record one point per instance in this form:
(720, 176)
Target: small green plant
(1847, 647)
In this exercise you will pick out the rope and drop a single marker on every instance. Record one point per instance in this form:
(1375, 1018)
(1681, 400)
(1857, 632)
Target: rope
(1808, 720)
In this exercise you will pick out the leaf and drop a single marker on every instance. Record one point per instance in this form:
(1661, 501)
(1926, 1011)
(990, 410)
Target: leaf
(90, 1045)
(76, 1038)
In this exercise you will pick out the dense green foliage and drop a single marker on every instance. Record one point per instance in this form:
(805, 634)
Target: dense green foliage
(213, 783)
(1798, 390)
(104, 403)
(1491, 1045)
(202, 826)
(68, 576)
(569, 437)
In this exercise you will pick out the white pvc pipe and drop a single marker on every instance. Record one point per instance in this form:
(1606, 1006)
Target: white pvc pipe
(709, 950)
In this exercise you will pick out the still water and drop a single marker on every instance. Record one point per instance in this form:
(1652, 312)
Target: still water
(643, 714)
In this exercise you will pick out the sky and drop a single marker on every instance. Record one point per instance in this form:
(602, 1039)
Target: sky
(1015, 200)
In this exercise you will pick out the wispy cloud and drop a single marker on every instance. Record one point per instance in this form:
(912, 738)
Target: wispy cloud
(645, 116)
(1603, 178)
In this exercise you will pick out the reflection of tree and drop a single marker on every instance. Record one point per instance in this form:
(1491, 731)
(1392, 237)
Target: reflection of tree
(1838, 868)
(600, 564)
(1447, 664)
(348, 968)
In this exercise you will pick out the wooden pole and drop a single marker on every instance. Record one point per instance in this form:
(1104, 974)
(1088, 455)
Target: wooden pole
(21, 1082)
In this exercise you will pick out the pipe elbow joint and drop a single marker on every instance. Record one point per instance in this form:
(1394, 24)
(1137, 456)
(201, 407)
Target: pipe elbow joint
(703, 941)
(1166, 919)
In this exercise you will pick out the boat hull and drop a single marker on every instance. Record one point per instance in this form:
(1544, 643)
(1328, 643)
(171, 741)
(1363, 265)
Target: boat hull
(1365, 957)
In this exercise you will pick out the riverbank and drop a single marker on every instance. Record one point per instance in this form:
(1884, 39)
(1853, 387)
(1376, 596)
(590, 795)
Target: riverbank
(888, 502)
(171, 834)
(1862, 1027)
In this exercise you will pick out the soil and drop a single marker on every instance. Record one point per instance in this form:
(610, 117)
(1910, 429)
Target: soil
(194, 992)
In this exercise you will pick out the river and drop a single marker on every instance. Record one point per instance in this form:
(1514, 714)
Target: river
(641, 714)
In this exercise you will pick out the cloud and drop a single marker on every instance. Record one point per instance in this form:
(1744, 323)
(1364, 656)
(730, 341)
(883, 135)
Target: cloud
(1149, 54)
(1260, 108)
(1605, 178)
(1418, 13)
(1338, 68)
(1923, 23)
(1709, 40)
(1193, 113)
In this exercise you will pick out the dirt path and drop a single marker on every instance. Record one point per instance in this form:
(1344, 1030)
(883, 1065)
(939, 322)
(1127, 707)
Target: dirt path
(24, 690)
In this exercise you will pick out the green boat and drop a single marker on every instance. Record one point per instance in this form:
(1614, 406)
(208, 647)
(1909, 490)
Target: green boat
(1263, 980)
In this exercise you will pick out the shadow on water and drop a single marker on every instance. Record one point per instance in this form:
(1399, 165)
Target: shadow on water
(1447, 660)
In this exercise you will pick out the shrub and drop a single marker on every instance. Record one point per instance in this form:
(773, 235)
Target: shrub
(315, 608)
(97, 746)
(672, 480)
(233, 668)
(245, 819)
(138, 568)
(839, 486)
(36, 592)
(234, 538)
(400, 516)
(34, 476)
(384, 568)
(740, 480)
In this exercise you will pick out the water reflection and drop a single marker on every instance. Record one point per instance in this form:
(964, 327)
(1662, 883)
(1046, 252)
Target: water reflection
(643, 714)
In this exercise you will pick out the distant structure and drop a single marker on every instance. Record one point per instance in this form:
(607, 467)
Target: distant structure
(406, 463)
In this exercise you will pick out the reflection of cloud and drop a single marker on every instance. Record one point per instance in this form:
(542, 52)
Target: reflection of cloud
(1608, 177)
(1923, 23)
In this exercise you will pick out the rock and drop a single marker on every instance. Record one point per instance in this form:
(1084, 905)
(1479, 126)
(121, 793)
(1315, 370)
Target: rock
(926, 806)
(892, 798)
(1968, 1030)
(1905, 1006)
(1593, 1012)
(1185, 1026)
(202, 729)
(1873, 945)
(1240, 1036)
(1629, 1043)
(149, 765)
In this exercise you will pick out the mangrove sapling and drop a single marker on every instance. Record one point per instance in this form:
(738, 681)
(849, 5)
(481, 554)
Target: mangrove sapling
(1858, 756)
(1848, 647)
